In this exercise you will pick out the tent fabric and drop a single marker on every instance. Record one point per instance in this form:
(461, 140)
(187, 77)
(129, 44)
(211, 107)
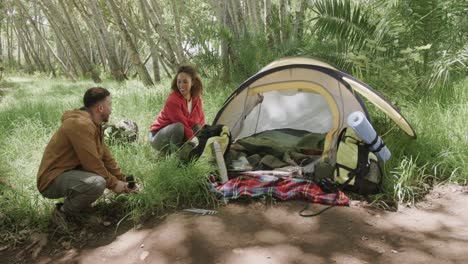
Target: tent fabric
(304, 94)
(380, 102)
(302, 111)
(297, 60)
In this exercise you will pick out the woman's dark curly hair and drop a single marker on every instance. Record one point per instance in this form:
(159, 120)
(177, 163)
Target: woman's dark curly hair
(197, 86)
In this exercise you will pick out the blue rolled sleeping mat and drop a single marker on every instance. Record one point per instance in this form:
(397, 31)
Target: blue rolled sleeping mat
(359, 123)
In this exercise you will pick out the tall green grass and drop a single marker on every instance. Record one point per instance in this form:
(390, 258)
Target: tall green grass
(30, 113)
(440, 152)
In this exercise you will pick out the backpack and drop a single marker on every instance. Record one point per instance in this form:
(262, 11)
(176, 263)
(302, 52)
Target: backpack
(124, 131)
(357, 169)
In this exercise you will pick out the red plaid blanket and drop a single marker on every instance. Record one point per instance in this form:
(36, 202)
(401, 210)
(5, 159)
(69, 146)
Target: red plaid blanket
(282, 187)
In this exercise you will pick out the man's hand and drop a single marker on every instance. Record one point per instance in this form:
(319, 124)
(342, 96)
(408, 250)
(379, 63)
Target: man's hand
(132, 186)
(120, 187)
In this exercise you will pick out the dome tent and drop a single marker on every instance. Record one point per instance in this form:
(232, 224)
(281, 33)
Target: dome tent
(304, 94)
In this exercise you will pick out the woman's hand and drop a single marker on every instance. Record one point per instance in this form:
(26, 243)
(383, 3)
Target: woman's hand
(194, 141)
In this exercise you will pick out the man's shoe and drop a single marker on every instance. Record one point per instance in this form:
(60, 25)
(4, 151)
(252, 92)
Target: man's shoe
(59, 218)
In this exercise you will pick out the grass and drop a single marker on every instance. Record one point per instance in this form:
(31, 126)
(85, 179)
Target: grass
(440, 152)
(31, 111)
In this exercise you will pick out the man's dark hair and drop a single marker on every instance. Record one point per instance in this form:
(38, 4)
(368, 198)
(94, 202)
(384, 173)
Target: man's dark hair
(94, 95)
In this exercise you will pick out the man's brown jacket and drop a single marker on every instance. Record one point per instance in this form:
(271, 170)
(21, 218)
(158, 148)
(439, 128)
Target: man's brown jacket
(78, 144)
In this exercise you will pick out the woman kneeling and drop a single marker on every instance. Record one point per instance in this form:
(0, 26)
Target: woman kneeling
(182, 114)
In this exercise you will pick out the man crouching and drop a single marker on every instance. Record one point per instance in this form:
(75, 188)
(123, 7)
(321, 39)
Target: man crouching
(77, 164)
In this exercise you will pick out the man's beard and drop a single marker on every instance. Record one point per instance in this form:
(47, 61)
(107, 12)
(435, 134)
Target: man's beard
(105, 119)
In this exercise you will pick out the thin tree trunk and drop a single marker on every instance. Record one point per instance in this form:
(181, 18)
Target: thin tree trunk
(64, 30)
(73, 29)
(78, 35)
(259, 13)
(9, 37)
(45, 42)
(156, 68)
(267, 22)
(21, 45)
(299, 22)
(65, 57)
(282, 18)
(149, 40)
(112, 60)
(158, 23)
(222, 13)
(164, 63)
(18, 54)
(1, 46)
(252, 4)
(28, 45)
(232, 11)
(140, 67)
(241, 16)
(45, 50)
(178, 33)
(94, 35)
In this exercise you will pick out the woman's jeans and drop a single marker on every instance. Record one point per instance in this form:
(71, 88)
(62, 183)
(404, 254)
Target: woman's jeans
(170, 137)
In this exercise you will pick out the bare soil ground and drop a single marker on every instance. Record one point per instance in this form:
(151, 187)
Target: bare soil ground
(433, 231)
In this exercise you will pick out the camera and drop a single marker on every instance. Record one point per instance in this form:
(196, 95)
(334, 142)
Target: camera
(130, 181)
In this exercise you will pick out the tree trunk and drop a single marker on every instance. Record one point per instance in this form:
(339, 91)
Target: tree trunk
(46, 51)
(158, 23)
(36, 18)
(112, 60)
(9, 37)
(252, 4)
(28, 46)
(64, 30)
(21, 45)
(222, 13)
(74, 30)
(267, 22)
(44, 41)
(282, 18)
(140, 67)
(81, 40)
(178, 33)
(149, 40)
(1, 46)
(298, 30)
(65, 56)
(164, 66)
(232, 11)
(98, 57)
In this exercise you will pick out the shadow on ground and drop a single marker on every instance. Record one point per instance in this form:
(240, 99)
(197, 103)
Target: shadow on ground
(433, 232)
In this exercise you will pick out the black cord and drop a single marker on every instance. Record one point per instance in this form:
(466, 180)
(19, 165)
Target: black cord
(314, 214)
(350, 175)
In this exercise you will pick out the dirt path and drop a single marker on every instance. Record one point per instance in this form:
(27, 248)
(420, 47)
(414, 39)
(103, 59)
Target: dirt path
(435, 231)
